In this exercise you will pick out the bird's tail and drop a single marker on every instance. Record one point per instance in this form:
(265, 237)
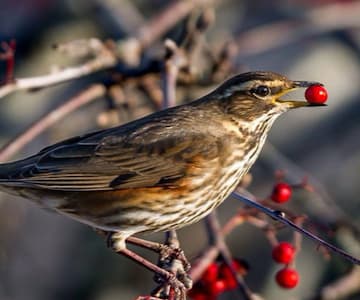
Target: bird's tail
(4, 171)
(7, 183)
(12, 171)
(9, 173)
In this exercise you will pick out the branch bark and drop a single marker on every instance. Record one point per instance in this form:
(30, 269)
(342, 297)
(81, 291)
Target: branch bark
(92, 93)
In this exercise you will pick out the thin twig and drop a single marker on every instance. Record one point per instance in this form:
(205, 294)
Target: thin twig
(174, 60)
(342, 288)
(103, 59)
(277, 160)
(298, 237)
(90, 94)
(212, 252)
(200, 265)
(279, 217)
(215, 236)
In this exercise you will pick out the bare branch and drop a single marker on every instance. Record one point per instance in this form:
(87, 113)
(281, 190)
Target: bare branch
(174, 60)
(104, 58)
(343, 287)
(216, 237)
(276, 215)
(86, 96)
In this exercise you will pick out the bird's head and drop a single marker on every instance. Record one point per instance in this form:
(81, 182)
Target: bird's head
(256, 94)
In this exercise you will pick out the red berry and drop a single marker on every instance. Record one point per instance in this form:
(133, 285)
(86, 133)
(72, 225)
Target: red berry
(281, 192)
(283, 253)
(229, 278)
(218, 287)
(210, 274)
(316, 94)
(225, 273)
(287, 278)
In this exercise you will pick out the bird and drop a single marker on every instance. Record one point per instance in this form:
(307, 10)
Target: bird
(161, 172)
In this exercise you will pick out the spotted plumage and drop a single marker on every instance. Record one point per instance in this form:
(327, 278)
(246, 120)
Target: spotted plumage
(163, 171)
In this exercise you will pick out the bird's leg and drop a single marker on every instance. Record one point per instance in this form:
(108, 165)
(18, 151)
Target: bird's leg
(117, 242)
(164, 250)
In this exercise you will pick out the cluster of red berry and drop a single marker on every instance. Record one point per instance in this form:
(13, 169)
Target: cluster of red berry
(284, 252)
(217, 279)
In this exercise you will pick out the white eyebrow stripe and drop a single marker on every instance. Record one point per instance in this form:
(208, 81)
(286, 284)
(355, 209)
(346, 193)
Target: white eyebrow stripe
(252, 84)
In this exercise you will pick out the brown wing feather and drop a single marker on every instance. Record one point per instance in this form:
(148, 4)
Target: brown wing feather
(116, 159)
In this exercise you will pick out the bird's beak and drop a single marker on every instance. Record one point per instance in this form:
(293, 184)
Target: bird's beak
(294, 103)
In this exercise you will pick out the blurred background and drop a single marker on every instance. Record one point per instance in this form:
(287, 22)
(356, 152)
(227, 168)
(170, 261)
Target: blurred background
(48, 256)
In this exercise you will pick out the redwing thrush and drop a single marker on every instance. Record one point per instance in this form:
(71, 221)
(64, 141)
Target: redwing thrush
(160, 172)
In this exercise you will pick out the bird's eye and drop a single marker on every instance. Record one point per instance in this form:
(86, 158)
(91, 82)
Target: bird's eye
(262, 91)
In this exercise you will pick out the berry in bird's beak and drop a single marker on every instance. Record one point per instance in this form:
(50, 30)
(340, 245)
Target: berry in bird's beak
(316, 94)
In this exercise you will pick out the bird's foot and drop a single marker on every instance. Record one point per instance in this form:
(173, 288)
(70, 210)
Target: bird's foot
(175, 253)
(163, 250)
(170, 273)
(174, 261)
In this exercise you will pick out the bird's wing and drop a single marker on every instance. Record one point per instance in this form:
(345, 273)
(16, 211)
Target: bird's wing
(116, 159)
